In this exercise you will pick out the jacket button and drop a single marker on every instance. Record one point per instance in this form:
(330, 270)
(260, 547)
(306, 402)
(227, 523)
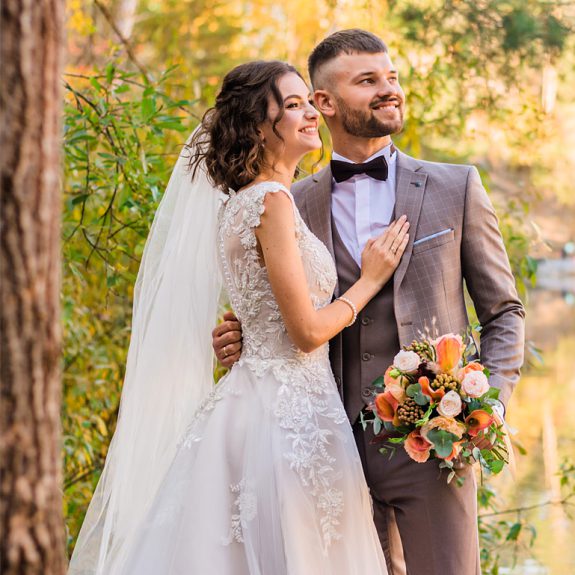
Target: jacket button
(338, 380)
(365, 321)
(366, 356)
(366, 392)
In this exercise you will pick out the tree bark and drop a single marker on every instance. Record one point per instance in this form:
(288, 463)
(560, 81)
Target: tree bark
(32, 537)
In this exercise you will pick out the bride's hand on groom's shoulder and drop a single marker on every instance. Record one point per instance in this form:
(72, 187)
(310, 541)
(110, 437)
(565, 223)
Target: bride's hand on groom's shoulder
(227, 340)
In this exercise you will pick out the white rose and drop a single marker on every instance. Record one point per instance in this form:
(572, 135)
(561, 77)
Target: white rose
(406, 361)
(450, 404)
(475, 384)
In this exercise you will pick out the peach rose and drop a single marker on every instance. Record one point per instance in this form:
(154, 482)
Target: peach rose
(475, 384)
(388, 380)
(445, 423)
(417, 447)
(396, 390)
(473, 366)
(449, 349)
(450, 404)
(407, 361)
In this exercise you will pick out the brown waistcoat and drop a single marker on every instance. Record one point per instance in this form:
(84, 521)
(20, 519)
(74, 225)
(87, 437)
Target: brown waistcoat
(367, 350)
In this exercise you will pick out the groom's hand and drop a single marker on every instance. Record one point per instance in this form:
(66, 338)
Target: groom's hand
(227, 340)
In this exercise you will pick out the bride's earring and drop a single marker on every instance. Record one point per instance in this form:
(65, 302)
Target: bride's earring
(262, 139)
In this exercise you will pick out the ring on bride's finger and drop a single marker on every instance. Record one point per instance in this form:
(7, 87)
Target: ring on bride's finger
(225, 352)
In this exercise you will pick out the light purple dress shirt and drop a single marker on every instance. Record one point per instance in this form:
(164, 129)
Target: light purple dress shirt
(362, 207)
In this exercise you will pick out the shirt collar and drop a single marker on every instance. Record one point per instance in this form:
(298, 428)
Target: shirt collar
(385, 151)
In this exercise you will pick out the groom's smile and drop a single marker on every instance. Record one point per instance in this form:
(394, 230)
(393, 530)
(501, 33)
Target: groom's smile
(389, 109)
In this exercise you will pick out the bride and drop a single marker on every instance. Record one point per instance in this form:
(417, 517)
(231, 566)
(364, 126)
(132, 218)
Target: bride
(258, 474)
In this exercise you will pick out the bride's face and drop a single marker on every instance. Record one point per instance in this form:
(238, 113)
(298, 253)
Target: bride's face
(298, 126)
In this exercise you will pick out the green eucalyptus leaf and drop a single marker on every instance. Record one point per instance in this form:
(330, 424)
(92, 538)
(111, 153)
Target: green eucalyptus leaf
(442, 441)
(421, 399)
(413, 389)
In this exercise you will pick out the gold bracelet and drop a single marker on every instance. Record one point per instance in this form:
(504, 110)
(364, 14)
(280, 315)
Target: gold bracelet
(352, 307)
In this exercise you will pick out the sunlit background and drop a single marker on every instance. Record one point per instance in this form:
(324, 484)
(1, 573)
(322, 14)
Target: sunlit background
(488, 82)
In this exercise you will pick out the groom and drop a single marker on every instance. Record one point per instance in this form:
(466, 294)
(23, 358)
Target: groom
(426, 526)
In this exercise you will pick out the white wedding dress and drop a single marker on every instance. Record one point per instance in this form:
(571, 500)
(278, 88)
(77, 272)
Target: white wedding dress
(267, 479)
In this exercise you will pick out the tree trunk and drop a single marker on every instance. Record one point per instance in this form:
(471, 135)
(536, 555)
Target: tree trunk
(32, 537)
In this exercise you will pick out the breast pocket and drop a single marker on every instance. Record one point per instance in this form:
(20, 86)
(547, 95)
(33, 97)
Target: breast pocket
(433, 240)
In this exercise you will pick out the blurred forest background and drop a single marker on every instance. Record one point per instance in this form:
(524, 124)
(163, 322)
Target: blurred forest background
(488, 82)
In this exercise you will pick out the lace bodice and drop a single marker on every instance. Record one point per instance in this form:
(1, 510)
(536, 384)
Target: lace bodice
(246, 279)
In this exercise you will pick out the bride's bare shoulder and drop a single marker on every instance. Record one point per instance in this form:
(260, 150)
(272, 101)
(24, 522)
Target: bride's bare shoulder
(277, 206)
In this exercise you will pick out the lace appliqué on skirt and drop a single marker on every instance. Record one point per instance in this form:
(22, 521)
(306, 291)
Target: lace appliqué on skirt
(245, 510)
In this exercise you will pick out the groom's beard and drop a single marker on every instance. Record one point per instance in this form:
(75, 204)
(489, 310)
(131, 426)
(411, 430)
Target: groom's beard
(364, 124)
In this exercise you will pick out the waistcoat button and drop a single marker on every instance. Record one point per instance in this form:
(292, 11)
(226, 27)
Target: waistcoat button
(366, 356)
(365, 321)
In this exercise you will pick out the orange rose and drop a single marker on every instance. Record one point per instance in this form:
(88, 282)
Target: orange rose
(417, 447)
(477, 421)
(449, 349)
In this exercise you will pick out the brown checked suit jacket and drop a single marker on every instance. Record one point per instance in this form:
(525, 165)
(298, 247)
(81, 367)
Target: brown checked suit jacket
(454, 241)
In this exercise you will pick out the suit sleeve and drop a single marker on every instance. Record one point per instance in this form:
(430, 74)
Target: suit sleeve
(491, 284)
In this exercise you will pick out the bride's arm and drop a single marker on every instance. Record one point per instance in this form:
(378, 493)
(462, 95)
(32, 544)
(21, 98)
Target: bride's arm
(307, 327)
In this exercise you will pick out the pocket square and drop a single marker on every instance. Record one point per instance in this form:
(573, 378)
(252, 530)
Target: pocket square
(430, 237)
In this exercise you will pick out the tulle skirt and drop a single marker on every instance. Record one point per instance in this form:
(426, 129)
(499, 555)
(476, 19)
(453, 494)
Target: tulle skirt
(267, 480)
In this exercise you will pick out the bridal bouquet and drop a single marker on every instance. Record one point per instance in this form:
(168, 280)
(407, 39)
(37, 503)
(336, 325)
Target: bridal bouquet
(437, 404)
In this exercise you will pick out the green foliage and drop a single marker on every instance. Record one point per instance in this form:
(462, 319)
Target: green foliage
(121, 138)
(508, 533)
(499, 535)
(442, 441)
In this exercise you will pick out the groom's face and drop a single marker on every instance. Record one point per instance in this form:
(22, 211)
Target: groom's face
(361, 93)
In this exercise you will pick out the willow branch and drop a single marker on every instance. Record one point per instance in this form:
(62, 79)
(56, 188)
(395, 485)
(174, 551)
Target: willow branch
(125, 42)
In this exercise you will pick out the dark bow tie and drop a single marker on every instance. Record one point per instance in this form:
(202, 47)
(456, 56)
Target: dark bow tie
(376, 168)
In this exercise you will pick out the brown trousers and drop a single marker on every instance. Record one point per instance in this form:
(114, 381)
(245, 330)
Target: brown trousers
(426, 526)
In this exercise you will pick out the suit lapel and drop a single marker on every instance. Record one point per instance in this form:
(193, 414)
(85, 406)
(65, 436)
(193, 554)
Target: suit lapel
(318, 207)
(409, 192)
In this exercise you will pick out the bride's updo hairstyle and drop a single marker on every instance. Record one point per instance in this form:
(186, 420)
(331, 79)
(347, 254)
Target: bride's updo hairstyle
(228, 140)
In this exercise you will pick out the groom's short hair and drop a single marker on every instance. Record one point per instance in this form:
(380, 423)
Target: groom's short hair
(351, 41)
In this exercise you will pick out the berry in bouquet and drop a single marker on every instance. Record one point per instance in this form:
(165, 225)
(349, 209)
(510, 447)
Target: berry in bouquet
(437, 404)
